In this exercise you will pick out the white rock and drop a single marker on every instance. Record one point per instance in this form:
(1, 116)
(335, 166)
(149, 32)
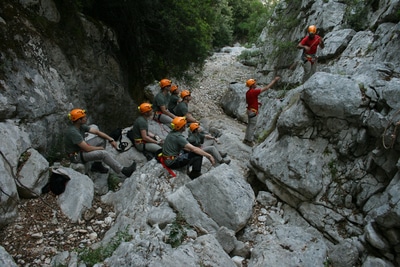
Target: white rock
(37, 235)
(92, 236)
(108, 220)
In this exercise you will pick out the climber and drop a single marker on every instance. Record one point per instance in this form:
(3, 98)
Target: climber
(177, 152)
(182, 109)
(174, 98)
(80, 151)
(160, 103)
(252, 107)
(197, 137)
(310, 44)
(146, 142)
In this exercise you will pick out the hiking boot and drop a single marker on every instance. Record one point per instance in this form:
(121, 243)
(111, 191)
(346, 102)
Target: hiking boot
(127, 171)
(98, 167)
(194, 174)
(249, 143)
(223, 154)
(226, 161)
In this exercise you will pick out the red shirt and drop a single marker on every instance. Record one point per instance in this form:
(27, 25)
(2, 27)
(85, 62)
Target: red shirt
(252, 98)
(312, 43)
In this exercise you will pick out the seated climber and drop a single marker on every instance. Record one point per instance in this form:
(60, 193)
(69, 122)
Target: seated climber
(145, 141)
(174, 99)
(177, 152)
(196, 138)
(182, 109)
(80, 151)
(160, 103)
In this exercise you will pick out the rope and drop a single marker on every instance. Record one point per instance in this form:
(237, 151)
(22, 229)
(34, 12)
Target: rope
(393, 136)
(20, 184)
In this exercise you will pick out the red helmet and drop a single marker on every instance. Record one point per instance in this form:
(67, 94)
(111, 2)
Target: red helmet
(178, 123)
(164, 83)
(76, 114)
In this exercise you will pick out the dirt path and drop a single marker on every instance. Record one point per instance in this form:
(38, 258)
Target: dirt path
(221, 69)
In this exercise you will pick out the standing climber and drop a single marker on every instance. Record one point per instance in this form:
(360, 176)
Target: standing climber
(310, 44)
(80, 151)
(177, 152)
(146, 142)
(197, 136)
(252, 107)
(182, 109)
(174, 98)
(160, 103)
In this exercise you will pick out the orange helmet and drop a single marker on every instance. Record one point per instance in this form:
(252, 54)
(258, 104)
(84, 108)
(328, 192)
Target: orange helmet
(178, 123)
(312, 29)
(193, 126)
(174, 87)
(145, 107)
(185, 93)
(164, 83)
(76, 114)
(250, 82)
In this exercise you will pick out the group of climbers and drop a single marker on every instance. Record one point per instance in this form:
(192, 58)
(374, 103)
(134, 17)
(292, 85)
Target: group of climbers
(176, 150)
(170, 109)
(309, 44)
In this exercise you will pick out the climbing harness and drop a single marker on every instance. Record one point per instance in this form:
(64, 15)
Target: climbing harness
(162, 158)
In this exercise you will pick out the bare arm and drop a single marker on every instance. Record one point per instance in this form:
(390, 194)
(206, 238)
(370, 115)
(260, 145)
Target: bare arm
(166, 112)
(270, 84)
(199, 151)
(87, 148)
(190, 118)
(104, 136)
(305, 47)
(147, 138)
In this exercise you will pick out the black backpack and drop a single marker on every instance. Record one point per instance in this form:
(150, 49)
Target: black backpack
(56, 184)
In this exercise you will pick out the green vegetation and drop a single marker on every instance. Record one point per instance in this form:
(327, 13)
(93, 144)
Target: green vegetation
(177, 232)
(328, 262)
(333, 169)
(249, 19)
(55, 152)
(165, 39)
(92, 256)
(355, 14)
(113, 182)
(22, 159)
(248, 54)
(284, 20)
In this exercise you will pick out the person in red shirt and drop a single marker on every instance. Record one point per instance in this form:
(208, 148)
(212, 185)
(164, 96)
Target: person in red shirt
(252, 107)
(310, 44)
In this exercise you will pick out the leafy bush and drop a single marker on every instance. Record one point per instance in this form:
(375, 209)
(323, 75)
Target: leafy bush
(177, 232)
(113, 182)
(92, 256)
(249, 19)
(355, 15)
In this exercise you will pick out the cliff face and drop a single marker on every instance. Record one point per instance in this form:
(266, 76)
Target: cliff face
(329, 146)
(47, 70)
